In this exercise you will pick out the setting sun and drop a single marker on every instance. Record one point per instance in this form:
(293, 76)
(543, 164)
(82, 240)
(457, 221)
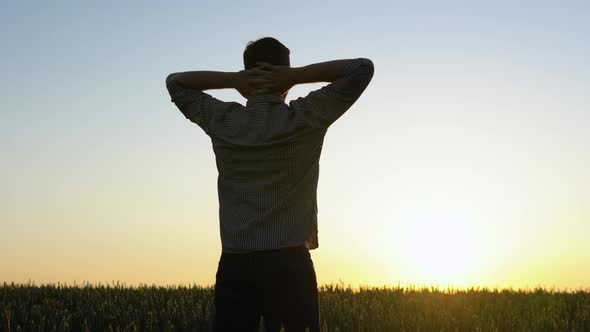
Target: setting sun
(440, 248)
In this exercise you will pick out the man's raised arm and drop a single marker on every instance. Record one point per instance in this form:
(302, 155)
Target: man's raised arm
(348, 80)
(247, 82)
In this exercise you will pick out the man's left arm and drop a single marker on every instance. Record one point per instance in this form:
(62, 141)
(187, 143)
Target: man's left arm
(204, 80)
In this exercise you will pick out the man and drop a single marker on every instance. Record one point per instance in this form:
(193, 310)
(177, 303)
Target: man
(267, 155)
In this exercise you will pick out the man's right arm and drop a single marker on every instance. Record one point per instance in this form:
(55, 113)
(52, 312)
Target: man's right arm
(348, 80)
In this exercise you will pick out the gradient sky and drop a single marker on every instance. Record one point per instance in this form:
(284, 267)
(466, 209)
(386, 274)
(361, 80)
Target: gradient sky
(465, 162)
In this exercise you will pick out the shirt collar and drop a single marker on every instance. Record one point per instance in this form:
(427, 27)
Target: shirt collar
(264, 99)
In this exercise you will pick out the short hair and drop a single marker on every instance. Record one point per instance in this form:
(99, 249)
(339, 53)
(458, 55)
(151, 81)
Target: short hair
(267, 50)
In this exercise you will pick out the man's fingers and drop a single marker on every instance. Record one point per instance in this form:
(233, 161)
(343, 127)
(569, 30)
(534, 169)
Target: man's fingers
(262, 77)
(258, 72)
(259, 79)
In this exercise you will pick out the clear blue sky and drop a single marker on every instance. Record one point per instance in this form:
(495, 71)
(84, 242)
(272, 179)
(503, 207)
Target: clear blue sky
(477, 121)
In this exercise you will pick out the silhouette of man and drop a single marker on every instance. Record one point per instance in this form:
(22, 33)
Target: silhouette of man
(267, 155)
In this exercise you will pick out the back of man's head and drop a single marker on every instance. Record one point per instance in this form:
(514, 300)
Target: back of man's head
(267, 50)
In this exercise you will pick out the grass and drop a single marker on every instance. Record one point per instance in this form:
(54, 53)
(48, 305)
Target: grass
(55, 307)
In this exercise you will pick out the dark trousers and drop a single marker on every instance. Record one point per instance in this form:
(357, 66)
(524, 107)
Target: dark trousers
(279, 285)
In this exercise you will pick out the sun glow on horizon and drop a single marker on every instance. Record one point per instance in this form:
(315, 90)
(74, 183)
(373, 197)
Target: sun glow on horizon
(441, 248)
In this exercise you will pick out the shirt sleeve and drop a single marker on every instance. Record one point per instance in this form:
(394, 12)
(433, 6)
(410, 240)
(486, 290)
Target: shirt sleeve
(197, 106)
(324, 106)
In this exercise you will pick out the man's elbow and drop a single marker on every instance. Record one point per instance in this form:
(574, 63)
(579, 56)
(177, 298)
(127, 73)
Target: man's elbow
(170, 78)
(172, 85)
(368, 67)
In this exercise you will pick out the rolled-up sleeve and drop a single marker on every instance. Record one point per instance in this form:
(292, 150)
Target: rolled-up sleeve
(324, 106)
(197, 106)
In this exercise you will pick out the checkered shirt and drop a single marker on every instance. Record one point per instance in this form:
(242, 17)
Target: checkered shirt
(267, 155)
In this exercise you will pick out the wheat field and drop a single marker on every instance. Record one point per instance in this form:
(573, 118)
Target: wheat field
(116, 307)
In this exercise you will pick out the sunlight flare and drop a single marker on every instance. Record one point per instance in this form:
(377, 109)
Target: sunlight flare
(441, 248)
